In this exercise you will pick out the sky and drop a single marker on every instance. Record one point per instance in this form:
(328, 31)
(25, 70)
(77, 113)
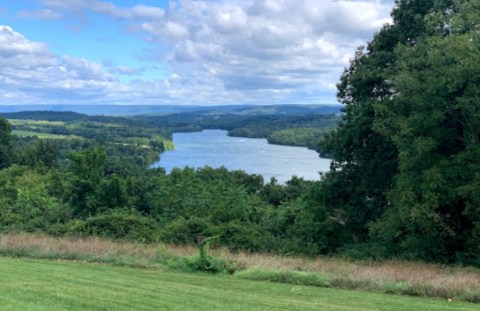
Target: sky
(183, 52)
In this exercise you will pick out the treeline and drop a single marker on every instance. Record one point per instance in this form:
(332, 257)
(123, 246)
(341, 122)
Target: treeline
(309, 137)
(306, 130)
(294, 127)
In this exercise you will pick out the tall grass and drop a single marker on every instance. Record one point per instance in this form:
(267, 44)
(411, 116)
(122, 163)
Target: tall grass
(397, 277)
(87, 249)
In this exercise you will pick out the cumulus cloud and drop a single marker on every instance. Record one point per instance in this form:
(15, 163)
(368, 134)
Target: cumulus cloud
(29, 71)
(17, 51)
(275, 45)
(220, 52)
(282, 46)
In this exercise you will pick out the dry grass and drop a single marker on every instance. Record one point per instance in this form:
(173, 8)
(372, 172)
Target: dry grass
(90, 248)
(405, 277)
(415, 278)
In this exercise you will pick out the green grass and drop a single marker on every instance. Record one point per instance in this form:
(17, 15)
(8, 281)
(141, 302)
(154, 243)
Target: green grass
(389, 277)
(42, 135)
(30, 284)
(35, 122)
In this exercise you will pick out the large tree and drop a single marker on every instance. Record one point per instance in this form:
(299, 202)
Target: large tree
(406, 174)
(433, 119)
(355, 190)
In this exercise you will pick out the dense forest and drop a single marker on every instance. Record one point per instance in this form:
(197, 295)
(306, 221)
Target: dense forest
(404, 183)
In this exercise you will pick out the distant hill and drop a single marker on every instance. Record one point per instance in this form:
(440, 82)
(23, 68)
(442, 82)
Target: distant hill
(129, 110)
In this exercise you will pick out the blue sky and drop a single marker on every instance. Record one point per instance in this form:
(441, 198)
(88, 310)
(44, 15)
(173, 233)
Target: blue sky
(180, 52)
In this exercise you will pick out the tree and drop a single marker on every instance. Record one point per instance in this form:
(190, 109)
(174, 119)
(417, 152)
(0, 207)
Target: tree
(434, 122)
(410, 106)
(87, 168)
(354, 191)
(113, 193)
(405, 178)
(5, 143)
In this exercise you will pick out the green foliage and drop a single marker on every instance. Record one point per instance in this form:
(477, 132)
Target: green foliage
(289, 277)
(42, 152)
(435, 126)
(203, 262)
(185, 232)
(237, 236)
(26, 201)
(88, 170)
(406, 150)
(117, 224)
(302, 136)
(5, 143)
(304, 130)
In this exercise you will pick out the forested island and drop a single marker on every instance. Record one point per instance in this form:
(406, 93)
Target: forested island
(404, 182)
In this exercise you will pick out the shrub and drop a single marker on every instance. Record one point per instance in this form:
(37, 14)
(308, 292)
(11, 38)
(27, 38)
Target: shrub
(182, 231)
(204, 263)
(118, 224)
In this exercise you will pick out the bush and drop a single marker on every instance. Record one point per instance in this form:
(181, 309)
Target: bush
(204, 262)
(182, 231)
(242, 236)
(119, 224)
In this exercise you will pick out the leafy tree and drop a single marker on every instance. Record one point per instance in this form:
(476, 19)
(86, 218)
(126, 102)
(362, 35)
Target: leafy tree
(355, 192)
(25, 202)
(113, 193)
(5, 143)
(87, 168)
(434, 122)
(406, 172)
(45, 152)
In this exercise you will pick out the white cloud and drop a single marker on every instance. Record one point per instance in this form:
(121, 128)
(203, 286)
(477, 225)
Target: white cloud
(268, 45)
(29, 71)
(215, 52)
(12, 43)
(145, 11)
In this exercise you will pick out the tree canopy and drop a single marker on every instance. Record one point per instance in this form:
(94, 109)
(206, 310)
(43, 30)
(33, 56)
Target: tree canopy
(406, 171)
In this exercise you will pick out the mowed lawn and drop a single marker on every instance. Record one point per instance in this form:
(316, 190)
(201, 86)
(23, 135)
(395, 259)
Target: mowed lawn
(27, 284)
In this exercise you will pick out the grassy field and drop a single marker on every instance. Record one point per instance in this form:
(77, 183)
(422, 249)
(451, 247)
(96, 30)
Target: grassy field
(392, 277)
(35, 122)
(30, 284)
(41, 135)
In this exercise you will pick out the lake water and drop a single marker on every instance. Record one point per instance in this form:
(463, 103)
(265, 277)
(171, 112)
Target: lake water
(255, 156)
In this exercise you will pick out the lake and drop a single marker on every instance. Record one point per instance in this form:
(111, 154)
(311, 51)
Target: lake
(255, 156)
